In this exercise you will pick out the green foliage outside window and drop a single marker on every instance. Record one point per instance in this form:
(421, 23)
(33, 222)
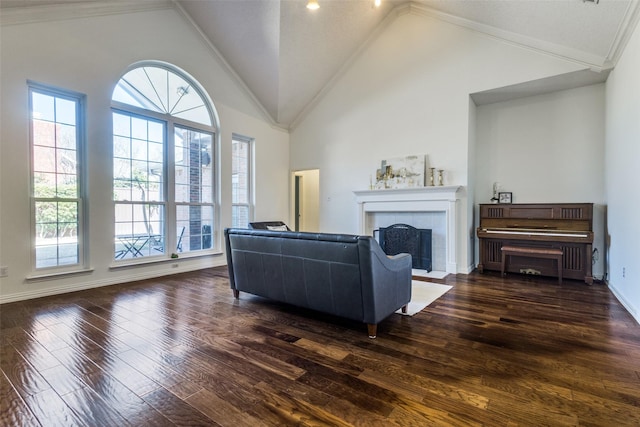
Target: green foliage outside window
(56, 218)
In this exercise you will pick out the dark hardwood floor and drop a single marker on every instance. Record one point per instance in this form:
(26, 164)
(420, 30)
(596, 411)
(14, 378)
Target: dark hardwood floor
(181, 351)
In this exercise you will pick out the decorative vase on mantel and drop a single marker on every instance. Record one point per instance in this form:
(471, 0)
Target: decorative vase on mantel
(432, 176)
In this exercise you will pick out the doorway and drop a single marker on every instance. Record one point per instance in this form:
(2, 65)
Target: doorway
(306, 200)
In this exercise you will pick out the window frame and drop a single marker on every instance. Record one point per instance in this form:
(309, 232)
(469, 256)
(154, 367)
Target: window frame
(163, 201)
(170, 226)
(250, 203)
(81, 198)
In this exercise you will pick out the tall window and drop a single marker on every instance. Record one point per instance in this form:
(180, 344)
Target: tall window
(163, 146)
(138, 185)
(57, 181)
(241, 181)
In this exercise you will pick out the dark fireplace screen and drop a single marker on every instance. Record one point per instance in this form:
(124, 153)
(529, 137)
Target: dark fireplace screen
(403, 238)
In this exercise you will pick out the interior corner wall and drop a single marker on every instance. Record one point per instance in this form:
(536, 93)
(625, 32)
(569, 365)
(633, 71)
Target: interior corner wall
(407, 93)
(622, 163)
(546, 149)
(88, 55)
(472, 154)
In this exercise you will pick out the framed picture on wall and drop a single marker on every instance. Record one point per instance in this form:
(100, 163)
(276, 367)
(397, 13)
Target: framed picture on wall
(505, 197)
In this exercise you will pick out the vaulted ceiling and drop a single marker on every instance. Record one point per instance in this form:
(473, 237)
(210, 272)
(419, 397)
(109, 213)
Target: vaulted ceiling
(286, 55)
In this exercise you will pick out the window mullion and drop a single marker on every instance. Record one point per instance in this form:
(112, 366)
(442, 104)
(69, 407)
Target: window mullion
(170, 190)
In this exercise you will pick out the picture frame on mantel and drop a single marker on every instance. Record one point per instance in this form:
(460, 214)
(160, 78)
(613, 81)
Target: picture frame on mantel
(505, 197)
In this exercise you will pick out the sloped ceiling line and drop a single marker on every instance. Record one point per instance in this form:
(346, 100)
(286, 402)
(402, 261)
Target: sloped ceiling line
(227, 66)
(391, 16)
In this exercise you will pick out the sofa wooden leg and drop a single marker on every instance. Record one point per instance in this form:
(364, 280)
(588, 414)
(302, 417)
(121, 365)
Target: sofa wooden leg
(404, 308)
(373, 329)
(236, 294)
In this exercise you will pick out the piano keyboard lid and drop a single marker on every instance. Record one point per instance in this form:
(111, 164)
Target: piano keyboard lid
(536, 232)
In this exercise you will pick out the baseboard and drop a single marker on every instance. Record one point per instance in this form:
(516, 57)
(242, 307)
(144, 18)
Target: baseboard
(470, 269)
(57, 290)
(625, 303)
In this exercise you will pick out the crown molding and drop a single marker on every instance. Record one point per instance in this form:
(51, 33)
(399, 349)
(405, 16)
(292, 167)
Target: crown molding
(586, 59)
(58, 12)
(629, 23)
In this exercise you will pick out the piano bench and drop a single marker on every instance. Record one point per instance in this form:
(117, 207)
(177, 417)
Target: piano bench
(550, 253)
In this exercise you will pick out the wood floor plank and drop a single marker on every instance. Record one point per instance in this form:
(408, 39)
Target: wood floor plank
(178, 411)
(91, 409)
(294, 411)
(22, 375)
(164, 375)
(13, 410)
(51, 410)
(181, 350)
(221, 411)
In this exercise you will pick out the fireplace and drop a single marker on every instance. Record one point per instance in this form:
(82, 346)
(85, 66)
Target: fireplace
(403, 238)
(431, 208)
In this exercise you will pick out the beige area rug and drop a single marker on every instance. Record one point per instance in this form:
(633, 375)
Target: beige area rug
(423, 294)
(433, 274)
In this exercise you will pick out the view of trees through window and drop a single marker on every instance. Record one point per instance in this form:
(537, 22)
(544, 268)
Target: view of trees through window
(55, 173)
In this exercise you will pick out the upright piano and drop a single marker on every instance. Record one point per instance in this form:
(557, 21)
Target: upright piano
(564, 226)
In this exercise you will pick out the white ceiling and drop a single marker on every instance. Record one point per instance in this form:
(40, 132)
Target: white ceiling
(287, 55)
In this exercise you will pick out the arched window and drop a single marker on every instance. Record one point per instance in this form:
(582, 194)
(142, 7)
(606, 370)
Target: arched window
(164, 134)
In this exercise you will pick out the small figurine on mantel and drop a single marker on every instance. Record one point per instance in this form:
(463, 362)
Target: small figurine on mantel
(496, 190)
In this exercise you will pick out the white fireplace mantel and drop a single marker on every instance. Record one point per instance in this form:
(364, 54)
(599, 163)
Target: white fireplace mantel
(415, 199)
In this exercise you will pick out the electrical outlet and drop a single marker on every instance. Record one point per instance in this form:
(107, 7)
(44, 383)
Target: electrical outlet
(4, 271)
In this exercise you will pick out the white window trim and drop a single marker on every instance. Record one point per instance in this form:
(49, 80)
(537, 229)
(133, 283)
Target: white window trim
(82, 265)
(251, 168)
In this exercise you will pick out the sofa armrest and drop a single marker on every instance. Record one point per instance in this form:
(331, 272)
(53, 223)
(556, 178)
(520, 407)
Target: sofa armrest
(227, 244)
(386, 281)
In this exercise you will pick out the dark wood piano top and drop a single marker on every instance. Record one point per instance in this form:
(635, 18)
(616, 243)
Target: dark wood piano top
(537, 216)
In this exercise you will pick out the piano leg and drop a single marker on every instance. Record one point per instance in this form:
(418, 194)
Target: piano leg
(588, 277)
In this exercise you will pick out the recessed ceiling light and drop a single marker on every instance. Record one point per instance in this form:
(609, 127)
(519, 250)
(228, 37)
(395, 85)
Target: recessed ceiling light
(313, 5)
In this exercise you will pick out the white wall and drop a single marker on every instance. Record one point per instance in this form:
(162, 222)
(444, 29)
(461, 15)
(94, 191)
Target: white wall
(622, 164)
(407, 93)
(271, 164)
(546, 149)
(89, 55)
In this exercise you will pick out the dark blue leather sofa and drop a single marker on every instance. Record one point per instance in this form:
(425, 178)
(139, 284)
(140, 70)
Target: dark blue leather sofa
(343, 275)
